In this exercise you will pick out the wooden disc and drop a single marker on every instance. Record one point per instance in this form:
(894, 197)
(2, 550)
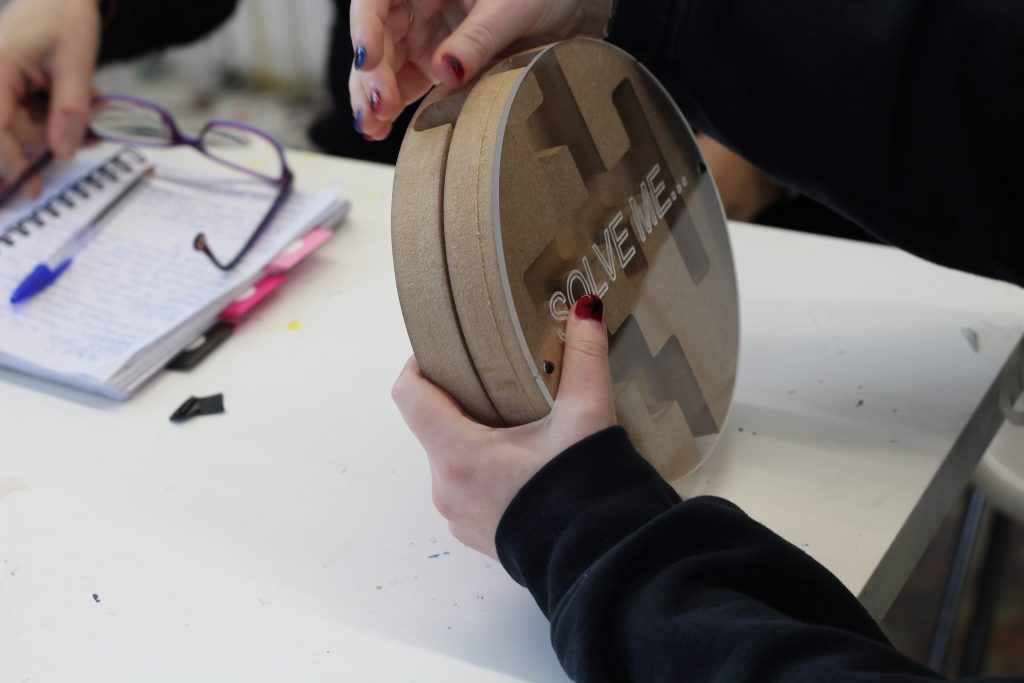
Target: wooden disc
(417, 245)
(571, 171)
(469, 244)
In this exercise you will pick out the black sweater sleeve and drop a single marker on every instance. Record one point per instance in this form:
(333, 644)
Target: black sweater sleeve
(136, 27)
(640, 586)
(905, 115)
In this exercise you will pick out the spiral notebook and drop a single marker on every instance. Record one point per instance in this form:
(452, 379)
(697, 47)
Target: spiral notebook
(138, 293)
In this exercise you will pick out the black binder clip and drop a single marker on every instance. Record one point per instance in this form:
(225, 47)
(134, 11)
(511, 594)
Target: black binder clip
(202, 347)
(193, 407)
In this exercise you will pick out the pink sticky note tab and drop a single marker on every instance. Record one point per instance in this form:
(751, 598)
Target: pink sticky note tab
(299, 249)
(238, 308)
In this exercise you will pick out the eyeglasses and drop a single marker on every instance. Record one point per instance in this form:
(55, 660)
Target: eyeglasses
(134, 121)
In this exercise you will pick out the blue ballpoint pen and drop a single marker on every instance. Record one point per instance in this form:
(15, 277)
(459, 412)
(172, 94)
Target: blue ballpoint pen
(44, 274)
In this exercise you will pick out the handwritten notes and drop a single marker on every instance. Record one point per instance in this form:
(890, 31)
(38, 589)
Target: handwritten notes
(141, 279)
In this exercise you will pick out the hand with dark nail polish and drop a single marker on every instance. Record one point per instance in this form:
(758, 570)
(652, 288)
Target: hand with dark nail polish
(439, 42)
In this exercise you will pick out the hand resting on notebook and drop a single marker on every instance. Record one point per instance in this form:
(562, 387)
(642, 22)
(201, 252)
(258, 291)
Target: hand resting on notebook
(45, 45)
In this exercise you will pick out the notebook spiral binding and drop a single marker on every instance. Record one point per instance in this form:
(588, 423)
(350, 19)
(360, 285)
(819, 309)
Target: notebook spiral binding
(110, 171)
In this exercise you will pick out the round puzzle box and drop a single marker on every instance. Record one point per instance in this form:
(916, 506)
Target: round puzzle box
(562, 171)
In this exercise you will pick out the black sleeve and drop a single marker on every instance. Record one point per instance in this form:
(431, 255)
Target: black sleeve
(640, 586)
(136, 27)
(905, 115)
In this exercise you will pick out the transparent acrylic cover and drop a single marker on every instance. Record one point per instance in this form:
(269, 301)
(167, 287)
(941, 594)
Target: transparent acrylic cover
(600, 187)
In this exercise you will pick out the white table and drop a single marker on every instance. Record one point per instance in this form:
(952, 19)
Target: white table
(294, 539)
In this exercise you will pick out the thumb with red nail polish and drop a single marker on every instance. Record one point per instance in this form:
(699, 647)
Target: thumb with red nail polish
(585, 388)
(476, 470)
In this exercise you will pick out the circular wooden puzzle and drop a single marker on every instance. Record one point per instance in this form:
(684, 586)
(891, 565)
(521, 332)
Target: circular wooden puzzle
(563, 171)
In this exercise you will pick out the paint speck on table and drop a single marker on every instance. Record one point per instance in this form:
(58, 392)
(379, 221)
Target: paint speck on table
(95, 597)
(860, 403)
(9, 486)
(438, 555)
(293, 326)
(380, 588)
(972, 338)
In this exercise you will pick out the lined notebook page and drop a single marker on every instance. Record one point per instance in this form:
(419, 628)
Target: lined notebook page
(140, 278)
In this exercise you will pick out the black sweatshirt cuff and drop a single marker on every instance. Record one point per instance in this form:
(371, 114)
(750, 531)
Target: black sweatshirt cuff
(602, 480)
(641, 586)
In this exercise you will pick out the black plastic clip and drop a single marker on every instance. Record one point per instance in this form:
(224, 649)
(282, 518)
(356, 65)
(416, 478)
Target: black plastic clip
(193, 407)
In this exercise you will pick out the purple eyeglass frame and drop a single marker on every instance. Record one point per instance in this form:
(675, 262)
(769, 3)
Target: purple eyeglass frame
(284, 182)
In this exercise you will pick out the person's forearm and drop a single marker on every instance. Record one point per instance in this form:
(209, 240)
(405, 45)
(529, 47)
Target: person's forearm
(902, 114)
(642, 587)
(135, 27)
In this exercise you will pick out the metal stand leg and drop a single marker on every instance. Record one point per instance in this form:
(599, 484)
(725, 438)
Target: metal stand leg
(990, 578)
(955, 583)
